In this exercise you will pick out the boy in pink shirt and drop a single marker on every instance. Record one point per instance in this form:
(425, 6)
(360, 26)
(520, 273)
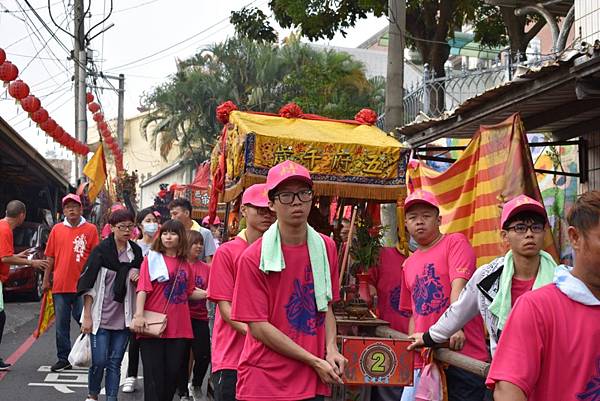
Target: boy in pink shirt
(434, 276)
(286, 283)
(549, 349)
(228, 335)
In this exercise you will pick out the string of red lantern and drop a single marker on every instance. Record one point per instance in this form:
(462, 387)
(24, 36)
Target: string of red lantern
(105, 132)
(33, 106)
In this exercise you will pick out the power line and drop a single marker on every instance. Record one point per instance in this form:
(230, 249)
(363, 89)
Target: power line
(23, 11)
(176, 44)
(134, 7)
(42, 48)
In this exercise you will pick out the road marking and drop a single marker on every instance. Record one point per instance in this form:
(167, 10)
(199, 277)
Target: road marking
(15, 356)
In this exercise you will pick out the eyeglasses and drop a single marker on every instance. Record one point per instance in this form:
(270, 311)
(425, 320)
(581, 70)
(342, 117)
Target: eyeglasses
(287, 198)
(522, 228)
(126, 228)
(262, 211)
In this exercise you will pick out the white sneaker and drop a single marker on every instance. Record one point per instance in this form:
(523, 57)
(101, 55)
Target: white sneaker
(129, 385)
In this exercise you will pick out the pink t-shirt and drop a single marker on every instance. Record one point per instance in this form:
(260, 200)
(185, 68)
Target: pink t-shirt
(287, 301)
(550, 348)
(198, 309)
(227, 344)
(518, 288)
(387, 279)
(179, 323)
(427, 286)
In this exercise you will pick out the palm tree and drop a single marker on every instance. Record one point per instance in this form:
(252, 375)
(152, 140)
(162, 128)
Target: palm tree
(255, 76)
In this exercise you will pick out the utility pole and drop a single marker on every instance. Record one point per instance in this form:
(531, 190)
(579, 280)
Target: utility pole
(121, 117)
(80, 59)
(394, 96)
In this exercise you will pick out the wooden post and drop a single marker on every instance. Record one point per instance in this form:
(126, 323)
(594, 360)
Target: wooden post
(442, 354)
(348, 244)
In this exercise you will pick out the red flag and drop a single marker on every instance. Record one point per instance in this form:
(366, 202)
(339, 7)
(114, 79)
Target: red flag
(46, 314)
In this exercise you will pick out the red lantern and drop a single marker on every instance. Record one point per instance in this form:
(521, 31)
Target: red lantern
(102, 126)
(40, 115)
(49, 125)
(31, 104)
(18, 89)
(89, 97)
(98, 117)
(2, 56)
(85, 149)
(106, 133)
(8, 71)
(93, 107)
(109, 140)
(58, 133)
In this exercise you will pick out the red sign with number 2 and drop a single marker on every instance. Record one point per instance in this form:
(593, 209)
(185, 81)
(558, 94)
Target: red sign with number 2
(377, 361)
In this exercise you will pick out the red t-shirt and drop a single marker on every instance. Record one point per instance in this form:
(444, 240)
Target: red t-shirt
(427, 286)
(179, 323)
(198, 309)
(6, 248)
(518, 288)
(387, 279)
(550, 348)
(227, 344)
(70, 248)
(287, 301)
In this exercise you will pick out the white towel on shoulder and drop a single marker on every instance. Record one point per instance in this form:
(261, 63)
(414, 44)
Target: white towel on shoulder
(157, 267)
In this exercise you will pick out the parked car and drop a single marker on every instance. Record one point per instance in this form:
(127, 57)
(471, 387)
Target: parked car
(28, 280)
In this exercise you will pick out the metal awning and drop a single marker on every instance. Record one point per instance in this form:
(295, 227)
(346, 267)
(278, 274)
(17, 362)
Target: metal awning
(557, 98)
(20, 163)
(464, 44)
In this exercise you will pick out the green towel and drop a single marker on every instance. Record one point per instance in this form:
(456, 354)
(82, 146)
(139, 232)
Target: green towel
(501, 305)
(271, 260)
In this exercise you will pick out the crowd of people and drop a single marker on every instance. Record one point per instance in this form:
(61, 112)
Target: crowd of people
(158, 287)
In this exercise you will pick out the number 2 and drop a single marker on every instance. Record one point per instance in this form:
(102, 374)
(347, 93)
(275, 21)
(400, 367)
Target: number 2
(379, 359)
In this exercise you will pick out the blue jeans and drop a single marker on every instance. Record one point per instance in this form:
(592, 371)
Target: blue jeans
(108, 349)
(65, 306)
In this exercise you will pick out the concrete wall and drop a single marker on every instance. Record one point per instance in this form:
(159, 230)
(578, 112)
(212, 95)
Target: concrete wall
(138, 153)
(182, 175)
(587, 20)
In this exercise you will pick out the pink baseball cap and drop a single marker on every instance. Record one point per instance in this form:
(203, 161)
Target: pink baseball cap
(206, 219)
(285, 171)
(420, 196)
(117, 206)
(521, 203)
(256, 195)
(71, 197)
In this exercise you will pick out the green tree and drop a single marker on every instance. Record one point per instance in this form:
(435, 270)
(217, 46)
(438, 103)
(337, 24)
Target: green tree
(429, 23)
(258, 76)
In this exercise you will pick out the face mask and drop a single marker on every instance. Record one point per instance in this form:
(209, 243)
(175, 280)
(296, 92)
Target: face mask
(150, 228)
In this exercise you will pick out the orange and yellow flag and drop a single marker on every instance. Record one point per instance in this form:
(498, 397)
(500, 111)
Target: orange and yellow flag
(46, 314)
(95, 170)
(495, 167)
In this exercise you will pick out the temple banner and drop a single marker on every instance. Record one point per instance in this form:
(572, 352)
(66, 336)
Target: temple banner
(495, 167)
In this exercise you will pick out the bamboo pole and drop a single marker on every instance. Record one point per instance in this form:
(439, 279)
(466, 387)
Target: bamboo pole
(442, 354)
(348, 244)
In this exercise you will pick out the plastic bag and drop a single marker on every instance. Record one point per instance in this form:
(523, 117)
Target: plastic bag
(81, 353)
(432, 385)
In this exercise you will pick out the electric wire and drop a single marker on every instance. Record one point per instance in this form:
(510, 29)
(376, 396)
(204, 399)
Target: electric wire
(170, 47)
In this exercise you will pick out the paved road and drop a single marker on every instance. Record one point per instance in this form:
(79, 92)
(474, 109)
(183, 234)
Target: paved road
(30, 377)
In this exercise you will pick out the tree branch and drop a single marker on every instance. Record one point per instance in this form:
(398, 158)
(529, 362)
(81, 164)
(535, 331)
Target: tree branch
(534, 30)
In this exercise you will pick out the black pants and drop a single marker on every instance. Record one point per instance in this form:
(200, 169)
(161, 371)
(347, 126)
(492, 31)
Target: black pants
(134, 356)
(464, 386)
(200, 347)
(162, 359)
(224, 382)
